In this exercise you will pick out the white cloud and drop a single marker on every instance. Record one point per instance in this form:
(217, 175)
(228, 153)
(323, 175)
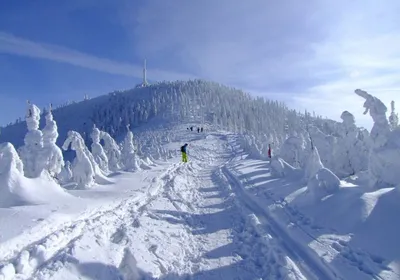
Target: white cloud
(10, 44)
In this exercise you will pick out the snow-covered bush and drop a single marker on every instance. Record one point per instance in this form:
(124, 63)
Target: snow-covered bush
(130, 159)
(83, 172)
(112, 151)
(52, 153)
(384, 163)
(31, 152)
(97, 150)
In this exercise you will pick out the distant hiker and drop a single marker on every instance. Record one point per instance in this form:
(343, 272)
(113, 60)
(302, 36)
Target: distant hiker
(198, 130)
(201, 129)
(191, 128)
(269, 151)
(187, 128)
(184, 154)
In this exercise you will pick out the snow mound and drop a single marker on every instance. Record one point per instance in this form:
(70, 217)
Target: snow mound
(18, 190)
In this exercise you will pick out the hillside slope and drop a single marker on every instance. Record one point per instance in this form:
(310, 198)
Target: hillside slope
(174, 102)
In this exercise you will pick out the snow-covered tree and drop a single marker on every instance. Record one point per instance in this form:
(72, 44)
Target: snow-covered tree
(97, 150)
(351, 154)
(83, 172)
(293, 151)
(383, 164)
(394, 117)
(51, 151)
(65, 175)
(325, 144)
(112, 151)
(313, 165)
(31, 152)
(320, 180)
(130, 159)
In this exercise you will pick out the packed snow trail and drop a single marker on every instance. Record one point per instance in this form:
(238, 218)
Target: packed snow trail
(192, 224)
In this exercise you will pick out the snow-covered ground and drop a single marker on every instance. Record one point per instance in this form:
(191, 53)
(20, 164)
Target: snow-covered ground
(220, 216)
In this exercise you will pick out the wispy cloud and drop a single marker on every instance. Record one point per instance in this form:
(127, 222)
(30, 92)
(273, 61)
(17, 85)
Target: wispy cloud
(11, 44)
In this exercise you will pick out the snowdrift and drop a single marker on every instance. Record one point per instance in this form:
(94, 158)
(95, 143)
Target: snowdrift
(15, 189)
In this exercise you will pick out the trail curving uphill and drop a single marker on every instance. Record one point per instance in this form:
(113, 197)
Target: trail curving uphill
(193, 222)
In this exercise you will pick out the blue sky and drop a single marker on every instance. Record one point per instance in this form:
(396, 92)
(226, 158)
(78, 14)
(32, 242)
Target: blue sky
(311, 54)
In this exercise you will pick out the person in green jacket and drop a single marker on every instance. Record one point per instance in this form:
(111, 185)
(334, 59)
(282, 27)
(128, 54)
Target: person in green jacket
(184, 153)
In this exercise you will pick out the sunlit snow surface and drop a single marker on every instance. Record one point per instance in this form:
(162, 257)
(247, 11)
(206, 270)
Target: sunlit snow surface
(220, 216)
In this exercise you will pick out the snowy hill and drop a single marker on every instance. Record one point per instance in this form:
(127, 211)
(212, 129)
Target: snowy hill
(267, 193)
(267, 122)
(174, 102)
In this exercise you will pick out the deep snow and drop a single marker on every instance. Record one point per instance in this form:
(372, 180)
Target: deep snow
(221, 216)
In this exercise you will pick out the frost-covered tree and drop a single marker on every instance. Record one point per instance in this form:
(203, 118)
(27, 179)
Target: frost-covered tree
(351, 154)
(313, 164)
(320, 180)
(293, 151)
(394, 117)
(383, 164)
(325, 144)
(112, 151)
(51, 151)
(97, 150)
(83, 171)
(65, 175)
(31, 152)
(130, 159)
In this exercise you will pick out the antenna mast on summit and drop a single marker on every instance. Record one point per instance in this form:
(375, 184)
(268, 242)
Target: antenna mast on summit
(144, 74)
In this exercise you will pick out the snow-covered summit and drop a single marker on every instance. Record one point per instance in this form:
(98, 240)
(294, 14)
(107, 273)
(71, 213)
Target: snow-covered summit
(194, 101)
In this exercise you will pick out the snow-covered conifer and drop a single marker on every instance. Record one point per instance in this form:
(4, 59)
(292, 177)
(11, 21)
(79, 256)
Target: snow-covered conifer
(31, 152)
(313, 165)
(394, 117)
(65, 175)
(112, 151)
(51, 151)
(97, 150)
(293, 151)
(130, 159)
(83, 172)
(383, 164)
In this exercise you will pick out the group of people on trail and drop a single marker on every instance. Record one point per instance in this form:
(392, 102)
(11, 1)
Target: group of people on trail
(199, 129)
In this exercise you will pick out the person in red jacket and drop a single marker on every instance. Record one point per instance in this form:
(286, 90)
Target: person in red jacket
(269, 151)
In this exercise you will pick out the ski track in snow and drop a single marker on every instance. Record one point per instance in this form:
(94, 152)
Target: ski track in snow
(324, 249)
(195, 221)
